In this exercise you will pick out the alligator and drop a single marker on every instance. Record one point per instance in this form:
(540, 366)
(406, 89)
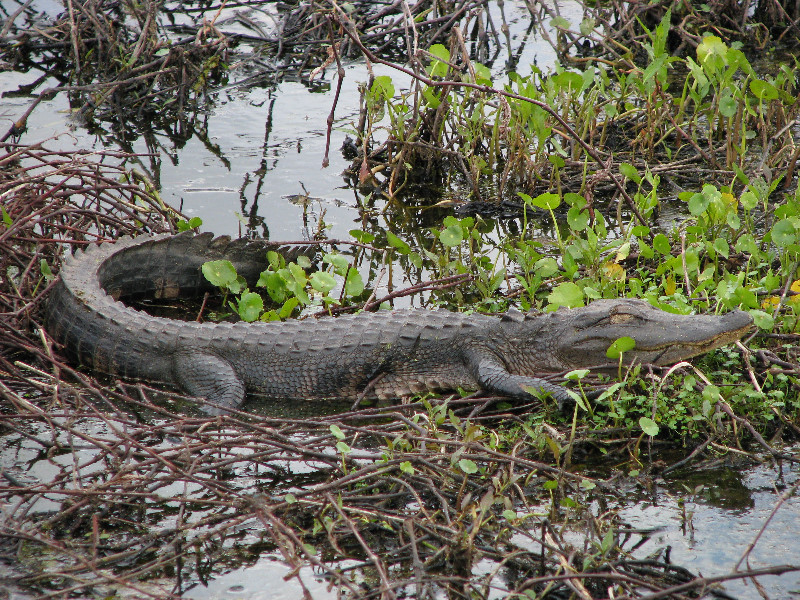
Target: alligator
(377, 355)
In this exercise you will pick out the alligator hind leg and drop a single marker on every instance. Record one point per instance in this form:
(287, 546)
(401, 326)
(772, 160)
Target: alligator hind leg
(210, 377)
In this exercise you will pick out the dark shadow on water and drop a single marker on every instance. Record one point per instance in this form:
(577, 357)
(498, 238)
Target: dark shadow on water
(294, 409)
(722, 488)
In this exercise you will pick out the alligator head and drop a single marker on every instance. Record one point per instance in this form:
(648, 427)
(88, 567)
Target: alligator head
(661, 338)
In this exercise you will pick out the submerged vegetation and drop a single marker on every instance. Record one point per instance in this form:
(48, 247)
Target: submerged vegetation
(656, 159)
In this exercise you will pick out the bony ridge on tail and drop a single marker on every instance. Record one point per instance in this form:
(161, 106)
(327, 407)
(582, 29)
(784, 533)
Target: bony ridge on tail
(388, 354)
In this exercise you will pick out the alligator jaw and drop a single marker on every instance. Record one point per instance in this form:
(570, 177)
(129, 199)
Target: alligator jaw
(661, 338)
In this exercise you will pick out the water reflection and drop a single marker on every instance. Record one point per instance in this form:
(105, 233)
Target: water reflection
(707, 519)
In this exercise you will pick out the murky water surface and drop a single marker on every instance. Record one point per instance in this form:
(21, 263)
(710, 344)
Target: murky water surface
(258, 146)
(709, 518)
(704, 519)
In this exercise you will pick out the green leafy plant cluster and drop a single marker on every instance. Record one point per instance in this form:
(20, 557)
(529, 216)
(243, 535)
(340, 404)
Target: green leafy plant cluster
(288, 285)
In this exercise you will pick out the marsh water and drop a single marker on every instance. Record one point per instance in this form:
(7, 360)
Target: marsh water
(712, 518)
(704, 520)
(250, 163)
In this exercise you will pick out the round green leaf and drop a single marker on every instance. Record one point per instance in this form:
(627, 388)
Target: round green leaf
(784, 233)
(482, 74)
(747, 243)
(575, 200)
(510, 515)
(577, 219)
(468, 466)
(568, 80)
(763, 90)
(566, 294)
(698, 204)
(396, 242)
(727, 106)
(354, 285)
(237, 287)
(432, 95)
(220, 273)
(661, 244)
(748, 200)
(276, 286)
(275, 260)
(383, 86)
(619, 346)
(362, 236)
(546, 267)
(339, 262)
(721, 246)
(592, 293)
(407, 467)
(337, 432)
(762, 319)
(250, 306)
(711, 393)
(547, 201)
(439, 68)
(587, 26)
(711, 47)
(440, 51)
(577, 374)
(648, 426)
(192, 223)
(733, 221)
(322, 282)
(451, 236)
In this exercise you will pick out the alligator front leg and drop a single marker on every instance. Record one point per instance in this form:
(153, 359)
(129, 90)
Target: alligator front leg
(211, 377)
(492, 376)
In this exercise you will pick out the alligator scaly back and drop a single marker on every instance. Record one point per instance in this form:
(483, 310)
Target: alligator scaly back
(388, 354)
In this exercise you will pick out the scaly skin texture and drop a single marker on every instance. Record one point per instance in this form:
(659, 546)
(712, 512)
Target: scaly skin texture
(373, 355)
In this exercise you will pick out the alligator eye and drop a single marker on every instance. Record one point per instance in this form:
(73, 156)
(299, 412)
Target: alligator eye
(618, 318)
